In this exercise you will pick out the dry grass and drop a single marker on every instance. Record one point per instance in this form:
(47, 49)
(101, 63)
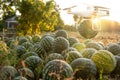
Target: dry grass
(105, 37)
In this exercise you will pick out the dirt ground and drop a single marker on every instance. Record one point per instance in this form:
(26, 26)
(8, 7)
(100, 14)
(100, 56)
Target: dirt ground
(105, 37)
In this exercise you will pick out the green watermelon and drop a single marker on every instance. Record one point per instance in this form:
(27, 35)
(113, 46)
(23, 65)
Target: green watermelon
(47, 42)
(22, 39)
(61, 33)
(94, 45)
(79, 46)
(68, 50)
(36, 38)
(53, 56)
(105, 61)
(29, 37)
(20, 50)
(88, 52)
(57, 70)
(85, 29)
(27, 45)
(73, 40)
(72, 55)
(114, 48)
(87, 41)
(8, 73)
(32, 62)
(26, 72)
(116, 71)
(83, 68)
(60, 44)
(37, 48)
(20, 78)
(27, 54)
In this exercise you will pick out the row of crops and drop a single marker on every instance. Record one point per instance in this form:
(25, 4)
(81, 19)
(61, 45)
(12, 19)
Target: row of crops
(56, 56)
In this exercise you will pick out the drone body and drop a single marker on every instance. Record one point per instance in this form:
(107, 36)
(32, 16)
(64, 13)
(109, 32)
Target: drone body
(88, 11)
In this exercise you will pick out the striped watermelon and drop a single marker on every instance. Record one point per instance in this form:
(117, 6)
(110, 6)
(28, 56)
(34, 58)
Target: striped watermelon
(94, 45)
(57, 70)
(114, 48)
(8, 73)
(32, 62)
(72, 55)
(47, 42)
(37, 48)
(36, 38)
(22, 39)
(61, 33)
(53, 56)
(27, 54)
(26, 72)
(116, 71)
(83, 68)
(68, 50)
(85, 29)
(60, 44)
(20, 50)
(79, 46)
(27, 45)
(105, 61)
(73, 40)
(88, 52)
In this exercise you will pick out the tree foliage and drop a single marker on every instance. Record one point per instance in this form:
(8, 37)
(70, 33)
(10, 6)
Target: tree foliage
(37, 16)
(6, 7)
(6, 11)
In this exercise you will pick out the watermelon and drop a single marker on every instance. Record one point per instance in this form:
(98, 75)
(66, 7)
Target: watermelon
(116, 71)
(20, 50)
(37, 48)
(20, 78)
(72, 55)
(87, 41)
(29, 38)
(83, 68)
(32, 62)
(73, 40)
(27, 54)
(88, 52)
(57, 70)
(53, 56)
(68, 50)
(36, 38)
(60, 44)
(61, 33)
(22, 39)
(105, 61)
(8, 73)
(85, 29)
(79, 46)
(114, 48)
(26, 72)
(27, 45)
(46, 42)
(94, 45)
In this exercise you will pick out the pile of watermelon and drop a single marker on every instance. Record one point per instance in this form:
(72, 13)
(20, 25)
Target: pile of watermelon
(58, 56)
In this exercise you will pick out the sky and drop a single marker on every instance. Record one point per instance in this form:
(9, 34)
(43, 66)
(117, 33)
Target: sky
(113, 5)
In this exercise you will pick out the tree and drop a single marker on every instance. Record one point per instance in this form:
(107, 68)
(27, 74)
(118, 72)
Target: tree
(6, 11)
(6, 7)
(37, 16)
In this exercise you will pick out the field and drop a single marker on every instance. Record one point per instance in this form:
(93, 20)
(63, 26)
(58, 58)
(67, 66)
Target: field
(37, 53)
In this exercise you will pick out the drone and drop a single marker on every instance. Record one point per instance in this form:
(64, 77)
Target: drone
(92, 12)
